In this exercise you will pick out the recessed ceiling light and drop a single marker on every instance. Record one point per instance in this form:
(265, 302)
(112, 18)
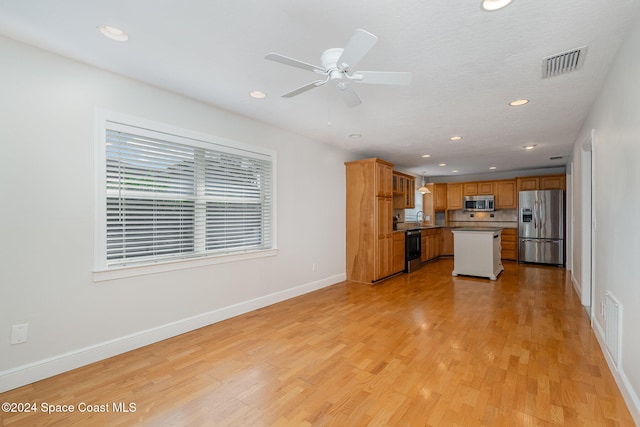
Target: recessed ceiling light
(442, 164)
(114, 33)
(426, 155)
(455, 171)
(529, 147)
(355, 135)
(491, 5)
(492, 168)
(258, 94)
(519, 102)
(455, 138)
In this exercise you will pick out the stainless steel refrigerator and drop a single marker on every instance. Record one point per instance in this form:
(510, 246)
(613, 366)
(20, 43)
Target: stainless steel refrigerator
(541, 226)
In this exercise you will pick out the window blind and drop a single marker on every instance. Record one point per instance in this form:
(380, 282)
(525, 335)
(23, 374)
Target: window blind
(168, 199)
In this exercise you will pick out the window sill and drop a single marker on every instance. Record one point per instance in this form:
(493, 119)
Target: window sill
(141, 270)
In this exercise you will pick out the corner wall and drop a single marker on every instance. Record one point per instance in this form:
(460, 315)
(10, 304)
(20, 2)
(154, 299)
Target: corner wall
(616, 176)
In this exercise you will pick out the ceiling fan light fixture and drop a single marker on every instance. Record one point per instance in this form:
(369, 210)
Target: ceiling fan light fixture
(491, 5)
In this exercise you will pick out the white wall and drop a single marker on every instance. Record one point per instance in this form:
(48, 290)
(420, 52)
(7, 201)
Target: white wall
(615, 117)
(46, 186)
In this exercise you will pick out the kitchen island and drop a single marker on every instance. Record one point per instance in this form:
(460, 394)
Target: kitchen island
(477, 252)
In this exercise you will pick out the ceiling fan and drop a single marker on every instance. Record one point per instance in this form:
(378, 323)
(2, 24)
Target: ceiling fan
(338, 65)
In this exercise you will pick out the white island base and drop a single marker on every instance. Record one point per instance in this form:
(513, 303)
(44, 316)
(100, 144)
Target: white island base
(477, 252)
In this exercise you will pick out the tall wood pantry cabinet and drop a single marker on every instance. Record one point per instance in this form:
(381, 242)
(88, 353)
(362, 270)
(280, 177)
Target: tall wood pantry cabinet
(369, 220)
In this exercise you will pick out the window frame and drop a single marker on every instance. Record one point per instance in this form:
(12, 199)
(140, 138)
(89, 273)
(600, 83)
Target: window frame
(101, 271)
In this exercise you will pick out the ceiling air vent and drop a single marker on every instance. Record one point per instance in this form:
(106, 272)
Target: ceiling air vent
(555, 158)
(562, 63)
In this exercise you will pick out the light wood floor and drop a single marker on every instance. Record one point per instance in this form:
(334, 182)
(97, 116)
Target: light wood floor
(424, 349)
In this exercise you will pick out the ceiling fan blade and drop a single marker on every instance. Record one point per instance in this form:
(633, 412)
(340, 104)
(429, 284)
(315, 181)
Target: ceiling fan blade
(383, 77)
(293, 62)
(361, 42)
(304, 88)
(349, 96)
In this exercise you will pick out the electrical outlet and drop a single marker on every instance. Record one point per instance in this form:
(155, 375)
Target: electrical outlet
(19, 333)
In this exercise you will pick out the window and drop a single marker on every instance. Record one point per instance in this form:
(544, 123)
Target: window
(168, 195)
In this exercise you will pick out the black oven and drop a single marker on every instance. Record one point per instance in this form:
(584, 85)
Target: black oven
(413, 250)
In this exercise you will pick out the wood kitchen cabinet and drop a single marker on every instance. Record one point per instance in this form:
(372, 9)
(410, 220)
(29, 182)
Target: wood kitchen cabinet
(439, 197)
(506, 196)
(486, 188)
(454, 196)
(398, 252)
(404, 191)
(470, 189)
(544, 182)
(509, 244)
(447, 241)
(528, 183)
(369, 223)
(553, 182)
(431, 240)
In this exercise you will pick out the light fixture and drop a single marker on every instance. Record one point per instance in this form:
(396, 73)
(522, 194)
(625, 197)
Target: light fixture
(257, 94)
(491, 5)
(442, 164)
(455, 171)
(519, 102)
(529, 147)
(492, 168)
(423, 189)
(113, 33)
(426, 155)
(355, 135)
(455, 138)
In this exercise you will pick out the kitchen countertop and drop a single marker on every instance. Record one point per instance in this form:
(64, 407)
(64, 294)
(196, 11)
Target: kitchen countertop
(478, 229)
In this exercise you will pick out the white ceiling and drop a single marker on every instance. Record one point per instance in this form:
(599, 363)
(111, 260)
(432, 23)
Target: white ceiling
(467, 66)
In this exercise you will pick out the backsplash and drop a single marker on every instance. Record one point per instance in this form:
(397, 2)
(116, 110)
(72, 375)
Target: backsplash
(507, 218)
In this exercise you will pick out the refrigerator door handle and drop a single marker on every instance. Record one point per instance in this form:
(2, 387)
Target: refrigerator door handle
(535, 214)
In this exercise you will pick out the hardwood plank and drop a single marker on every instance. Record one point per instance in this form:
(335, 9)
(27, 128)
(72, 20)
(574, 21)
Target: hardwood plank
(418, 349)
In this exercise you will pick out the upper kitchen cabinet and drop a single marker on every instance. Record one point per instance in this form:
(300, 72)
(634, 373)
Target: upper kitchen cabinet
(369, 241)
(439, 197)
(486, 188)
(506, 196)
(384, 180)
(454, 196)
(470, 189)
(553, 182)
(544, 182)
(404, 191)
(477, 188)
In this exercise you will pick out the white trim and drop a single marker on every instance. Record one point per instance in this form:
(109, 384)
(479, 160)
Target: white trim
(162, 267)
(35, 371)
(115, 119)
(628, 393)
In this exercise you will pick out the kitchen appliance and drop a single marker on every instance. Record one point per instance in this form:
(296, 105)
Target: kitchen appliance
(413, 250)
(478, 203)
(541, 226)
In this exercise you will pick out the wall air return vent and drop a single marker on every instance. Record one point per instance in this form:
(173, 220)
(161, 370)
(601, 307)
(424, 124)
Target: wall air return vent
(562, 63)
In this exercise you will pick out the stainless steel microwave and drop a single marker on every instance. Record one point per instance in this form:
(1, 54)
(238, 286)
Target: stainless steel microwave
(478, 203)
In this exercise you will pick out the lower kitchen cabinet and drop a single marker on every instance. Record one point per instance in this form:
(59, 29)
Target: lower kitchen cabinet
(447, 241)
(509, 244)
(398, 252)
(431, 243)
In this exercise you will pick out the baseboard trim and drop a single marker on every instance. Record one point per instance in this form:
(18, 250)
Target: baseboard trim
(45, 368)
(628, 393)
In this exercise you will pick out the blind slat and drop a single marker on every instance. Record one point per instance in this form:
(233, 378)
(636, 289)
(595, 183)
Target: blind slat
(169, 200)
